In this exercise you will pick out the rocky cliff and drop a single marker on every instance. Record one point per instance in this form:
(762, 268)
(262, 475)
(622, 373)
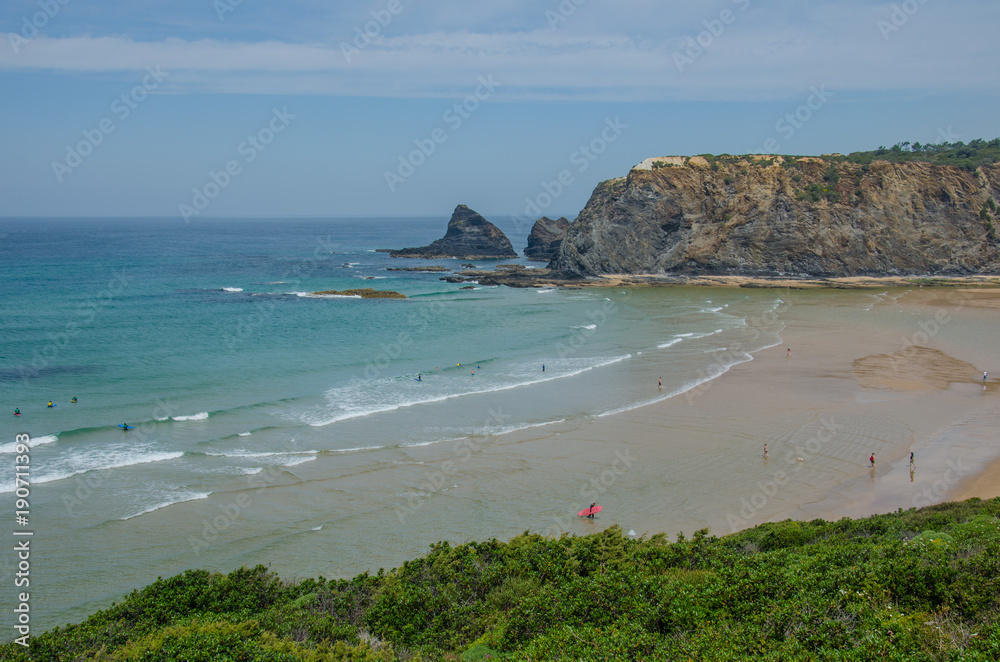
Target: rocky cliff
(545, 237)
(770, 216)
(469, 237)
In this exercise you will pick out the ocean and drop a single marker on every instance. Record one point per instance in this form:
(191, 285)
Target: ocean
(274, 426)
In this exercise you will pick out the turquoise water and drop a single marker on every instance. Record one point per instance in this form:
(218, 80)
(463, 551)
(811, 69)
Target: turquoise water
(206, 339)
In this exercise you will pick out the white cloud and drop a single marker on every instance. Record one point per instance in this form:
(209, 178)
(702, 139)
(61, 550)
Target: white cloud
(761, 54)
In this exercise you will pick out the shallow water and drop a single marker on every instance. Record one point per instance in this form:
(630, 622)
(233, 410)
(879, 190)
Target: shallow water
(276, 427)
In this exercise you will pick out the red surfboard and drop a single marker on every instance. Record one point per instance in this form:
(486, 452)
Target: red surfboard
(589, 511)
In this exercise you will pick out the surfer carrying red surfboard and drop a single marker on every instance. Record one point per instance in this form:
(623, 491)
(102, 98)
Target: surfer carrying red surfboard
(592, 509)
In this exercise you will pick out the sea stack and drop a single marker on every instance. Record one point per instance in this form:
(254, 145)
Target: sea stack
(469, 237)
(545, 237)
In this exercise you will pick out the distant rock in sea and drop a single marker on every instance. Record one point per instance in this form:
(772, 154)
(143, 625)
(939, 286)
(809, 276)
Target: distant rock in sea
(545, 237)
(364, 293)
(469, 237)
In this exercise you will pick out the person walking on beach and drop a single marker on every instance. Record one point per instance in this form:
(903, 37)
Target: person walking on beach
(912, 462)
(984, 380)
(789, 353)
(765, 451)
(659, 382)
(872, 460)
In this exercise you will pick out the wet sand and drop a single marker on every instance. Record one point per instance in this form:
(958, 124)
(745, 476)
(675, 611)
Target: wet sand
(849, 389)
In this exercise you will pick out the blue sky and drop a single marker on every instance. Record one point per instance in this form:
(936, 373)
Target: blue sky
(197, 108)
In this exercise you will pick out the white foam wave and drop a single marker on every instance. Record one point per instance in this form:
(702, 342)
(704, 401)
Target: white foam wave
(317, 528)
(418, 444)
(245, 454)
(124, 460)
(546, 291)
(243, 434)
(517, 428)
(299, 460)
(35, 441)
(588, 327)
(189, 497)
(232, 289)
(741, 357)
(193, 417)
(310, 295)
(669, 343)
(337, 394)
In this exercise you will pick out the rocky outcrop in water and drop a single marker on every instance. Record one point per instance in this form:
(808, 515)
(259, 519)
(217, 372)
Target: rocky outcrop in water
(768, 216)
(363, 293)
(469, 237)
(545, 237)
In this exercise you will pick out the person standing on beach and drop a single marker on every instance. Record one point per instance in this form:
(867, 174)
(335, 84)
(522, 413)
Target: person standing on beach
(872, 460)
(789, 353)
(984, 380)
(912, 462)
(765, 451)
(659, 382)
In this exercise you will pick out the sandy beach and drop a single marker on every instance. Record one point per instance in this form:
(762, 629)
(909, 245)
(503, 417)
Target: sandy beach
(846, 390)
(888, 372)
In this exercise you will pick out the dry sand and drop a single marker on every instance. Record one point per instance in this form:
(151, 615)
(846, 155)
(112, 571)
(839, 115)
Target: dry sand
(848, 390)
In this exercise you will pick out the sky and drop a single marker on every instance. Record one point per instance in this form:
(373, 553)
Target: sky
(243, 108)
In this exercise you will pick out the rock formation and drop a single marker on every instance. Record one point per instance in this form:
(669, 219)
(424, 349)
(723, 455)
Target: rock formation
(768, 216)
(364, 293)
(545, 237)
(469, 237)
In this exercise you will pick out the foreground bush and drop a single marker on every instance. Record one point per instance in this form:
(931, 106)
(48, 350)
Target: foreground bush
(914, 585)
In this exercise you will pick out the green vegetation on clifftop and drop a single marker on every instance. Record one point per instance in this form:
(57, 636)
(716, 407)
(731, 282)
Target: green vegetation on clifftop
(913, 585)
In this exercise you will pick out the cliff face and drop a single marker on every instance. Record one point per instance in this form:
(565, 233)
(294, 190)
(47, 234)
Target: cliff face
(545, 237)
(469, 237)
(766, 216)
